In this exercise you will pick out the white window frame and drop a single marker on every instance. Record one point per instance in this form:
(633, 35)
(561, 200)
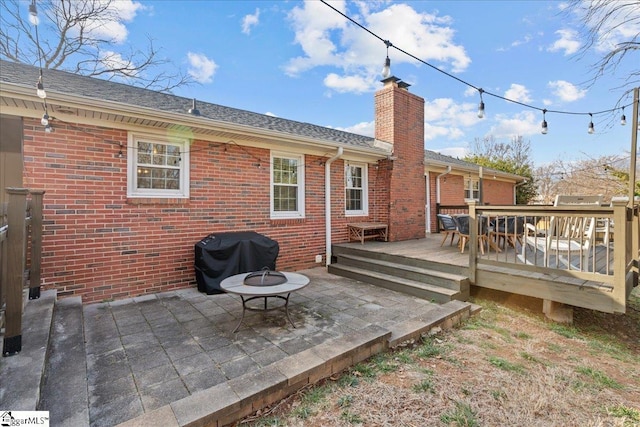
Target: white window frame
(300, 212)
(469, 189)
(364, 188)
(132, 170)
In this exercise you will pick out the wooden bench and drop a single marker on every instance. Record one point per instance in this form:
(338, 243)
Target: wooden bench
(361, 231)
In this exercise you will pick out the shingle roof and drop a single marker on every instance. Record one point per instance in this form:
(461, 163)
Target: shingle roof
(72, 84)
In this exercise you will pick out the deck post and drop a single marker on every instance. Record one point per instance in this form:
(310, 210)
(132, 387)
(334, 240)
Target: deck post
(36, 243)
(16, 236)
(557, 311)
(622, 248)
(473, 242)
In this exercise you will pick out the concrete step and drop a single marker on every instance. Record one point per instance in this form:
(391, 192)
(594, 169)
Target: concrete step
(452, 281)
(407, 286)
(64, 387)
(21, 374)
(408, 260)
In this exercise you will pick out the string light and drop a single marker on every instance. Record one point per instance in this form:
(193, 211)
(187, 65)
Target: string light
(120, 154)
(45, 119)
(40, 88)
(623, 119)
(386, 70)
(481, 106)
(591, 127)
(545, 128)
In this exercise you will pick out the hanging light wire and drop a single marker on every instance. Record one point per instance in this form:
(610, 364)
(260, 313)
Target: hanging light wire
(463, 81)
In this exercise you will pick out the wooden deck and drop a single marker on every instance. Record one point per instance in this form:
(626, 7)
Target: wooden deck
(427, 249)
(506, 270)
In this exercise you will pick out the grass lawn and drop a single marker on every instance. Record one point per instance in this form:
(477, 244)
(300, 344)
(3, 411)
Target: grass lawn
(507, 366)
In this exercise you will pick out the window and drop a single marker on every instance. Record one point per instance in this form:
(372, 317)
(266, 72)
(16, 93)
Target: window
(471, 189)
(157, 167)
(356, 189)
(287, 186)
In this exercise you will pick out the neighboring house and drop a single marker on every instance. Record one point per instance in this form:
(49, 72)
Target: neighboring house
(134, 178)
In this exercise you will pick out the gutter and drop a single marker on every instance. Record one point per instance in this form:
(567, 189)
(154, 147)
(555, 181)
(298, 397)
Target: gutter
(327, 203)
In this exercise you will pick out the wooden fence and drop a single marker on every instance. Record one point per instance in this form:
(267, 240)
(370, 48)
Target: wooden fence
(20, 259)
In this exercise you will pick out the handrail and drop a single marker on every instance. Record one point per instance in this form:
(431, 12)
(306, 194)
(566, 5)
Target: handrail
(607, 264)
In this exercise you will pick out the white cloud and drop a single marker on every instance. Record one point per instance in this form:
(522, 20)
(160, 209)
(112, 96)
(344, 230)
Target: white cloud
(518, 93)
(524, 123)
(114, 61)
(362, 128)
(352, 84)
(112, 24)
(568, 42)
(525, 40)
(327, 39)
(567, 92)
(458, 152)
(201, 68)
(250, 21)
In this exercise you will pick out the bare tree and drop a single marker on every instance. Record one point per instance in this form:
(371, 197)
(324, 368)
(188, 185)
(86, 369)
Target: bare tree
(616, 25)
(591, 176)
(73, 38)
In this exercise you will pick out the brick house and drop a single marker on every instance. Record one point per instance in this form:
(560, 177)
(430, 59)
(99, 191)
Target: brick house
(134, 178)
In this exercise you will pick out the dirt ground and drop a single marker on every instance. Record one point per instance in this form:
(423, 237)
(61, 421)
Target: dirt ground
(506, 366)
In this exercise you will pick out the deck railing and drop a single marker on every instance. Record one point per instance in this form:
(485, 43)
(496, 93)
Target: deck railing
(593, 246)
(20, 247)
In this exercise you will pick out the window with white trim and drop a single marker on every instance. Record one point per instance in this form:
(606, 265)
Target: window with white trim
(356, 200)
(471, 189)
(287, 185)
(158, 167)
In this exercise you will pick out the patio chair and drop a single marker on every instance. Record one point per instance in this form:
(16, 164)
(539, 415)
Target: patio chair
(569, 240)
(448, 227)
(462, 222)
(507, 230)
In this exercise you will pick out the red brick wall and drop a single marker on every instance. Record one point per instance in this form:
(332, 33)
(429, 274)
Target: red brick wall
(452, 193)
(399, 117)
(100, 245)
(497, 192)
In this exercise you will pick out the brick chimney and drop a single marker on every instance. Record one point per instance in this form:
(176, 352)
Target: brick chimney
(399, 117)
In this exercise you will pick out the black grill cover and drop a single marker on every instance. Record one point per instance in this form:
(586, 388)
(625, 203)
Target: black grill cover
(220, 255)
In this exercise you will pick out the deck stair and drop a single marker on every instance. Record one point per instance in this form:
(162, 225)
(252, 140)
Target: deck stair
(421, 278)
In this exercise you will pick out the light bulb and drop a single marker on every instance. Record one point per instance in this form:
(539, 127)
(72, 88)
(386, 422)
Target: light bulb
(481, 110)
(386, 70)
(45, 119)
(40, 90)
(591, 128)
(623, 120)
(48, 128)
(545, 129)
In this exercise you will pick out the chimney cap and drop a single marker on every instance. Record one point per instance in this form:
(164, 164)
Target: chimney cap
(390, 79)
(403, 85)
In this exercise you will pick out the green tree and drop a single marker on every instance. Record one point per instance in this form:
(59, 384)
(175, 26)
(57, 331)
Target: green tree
(513, 157)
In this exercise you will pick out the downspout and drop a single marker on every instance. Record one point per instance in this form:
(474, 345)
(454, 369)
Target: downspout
(327, 203)
(514, 189)
(448, 171)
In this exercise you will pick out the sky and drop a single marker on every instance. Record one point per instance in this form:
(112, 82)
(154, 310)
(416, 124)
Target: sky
(303, 61)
